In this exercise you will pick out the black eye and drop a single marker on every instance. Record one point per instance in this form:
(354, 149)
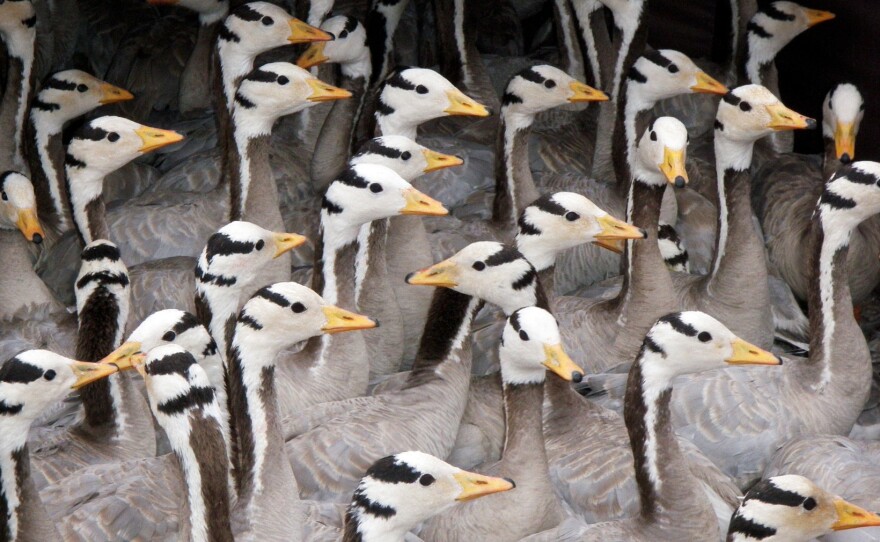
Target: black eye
(4, 196)
(297, 307)
(375, 188)
(169, 336)
(283, 80)
(810, 503)
(422, 89)
(406, 155)
(653, 136)
(523, 335)
(267, 21)
(479, 266)
(745, 106)
(571, 216)
(260, 244)
(426, 480)
(862, 107)
(82, 88)
(50, 375)
(672, 68)
(704, 337)
(113, 137)
(549, 83)
(343, 34)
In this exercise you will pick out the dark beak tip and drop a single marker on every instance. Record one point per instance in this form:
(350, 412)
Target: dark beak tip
(511, 481)
(644, 233)
(811, 124)
(577, 376)
(679, 182)
(37, 239)
(376, 321)
(779, 359)
(845, 159)
(408, 277)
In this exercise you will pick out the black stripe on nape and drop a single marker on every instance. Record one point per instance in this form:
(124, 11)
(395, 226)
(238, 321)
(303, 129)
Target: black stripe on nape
(175, 363)
(750, 529)
(30, 22)
(220, 244)
(547, 204)
(510, 98)
(350, 177)
(187, 322)
(731, 98)
(530, 74)
(6, 410)
(834, 201)
(774, 13)
(59, 84)
(103, 278)
(246, 13)
(758, 30)
(719, 125)
(768, 492)
(368, 506)
(102, 251)
(242, 101)
(635, 75)
(526, 228)
(329, 206)
(651, 345)
(391, 471)
(71, 161)
(514, 320)
(225, 34)
(666, 231)
(350, 24)
(679, 325)
(44, 106)
(93, 133)
(856, 175)
(679, 259)
(196, 397)
(507, 254)
(16, 371)
(383, 108)
(527, 279)
(273, 297)
(657, 58)
(375, 146)
(247, 320)
(396, 80)
(210, 348)
(5, 175)
(218, 280)
(262, 76)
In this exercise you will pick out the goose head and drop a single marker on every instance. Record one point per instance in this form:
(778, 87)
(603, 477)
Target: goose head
(842, 114)
(210, 11)
(539, 88)
(348, 48)
(557, 222)
(404, 156)
(107, 143)
(774, 26)
(18, 21)
(402, 490)
(665, 73)
(791, 508)
(411, 96)
(661, 154)
(174, 326)
(69, 94)
(530, 346)
(18, 206)
(102, 267)
(851, 196)
(487, 270)
(688, 342)
(277, 89)
(176, 385)
(256, 27)
(286, 313)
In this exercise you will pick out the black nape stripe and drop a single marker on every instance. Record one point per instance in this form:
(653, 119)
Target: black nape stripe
(93, 133)
(719, 125)
(731, 98)
(176, 363)
(6, 410)
(657, 58)
(526, 228)
(510, 98)
(856, 175)
(210, 348)
(514, 320)
(651, 345)
(30, 22)
(678, 324)
(530, 74)
(5, 175)
(196, 397)
(242, 101)
(750, 529)
(329, 206)
(396, 80)
(220, 244)
(262, 76)
(103, 278)
(527, 279)
(16, 371)
(247, 320)
(273, 297)
(391, 471)
(246, 13)
(371, 507)
(834, 201)
(774, 13)
(375, 146)
(59, 84)
(44, 106)
(766, 491)
(350, 177)
(225, 34)
(187, 322)
(666, 231)
(218, 280)
(71, 161)
(637, 76)
(547, 204)
(383, 108)
(350, 24)
(758, 30)
(507, 254)
(101, 251)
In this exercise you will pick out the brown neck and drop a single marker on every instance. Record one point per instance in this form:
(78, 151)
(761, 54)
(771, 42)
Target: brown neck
(524, 440)
(514, 186)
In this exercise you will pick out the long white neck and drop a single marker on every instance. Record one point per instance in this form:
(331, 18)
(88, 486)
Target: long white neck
(394, 125)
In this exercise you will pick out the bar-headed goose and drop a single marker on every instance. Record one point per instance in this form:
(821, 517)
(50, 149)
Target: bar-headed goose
(400, 491)
(785, 196)
(65, 96)
(31, 383)
(18, 21)
(404, 156)
(672, 503)
(530, 347)
(792, 508)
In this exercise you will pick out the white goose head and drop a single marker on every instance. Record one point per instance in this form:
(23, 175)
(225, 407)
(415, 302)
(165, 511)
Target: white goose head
(842, 114)
(665, 73)
(851, 196)
(277, 89)
(177, 385)
(400, 491)
(102, 267)
(662, 153)
(773, 27)
(18, 206)
(210, 11)
(404, 156)
(348, 48)
(18, 21)
(174, 326)
(688, 342)
(531, 345)
(69, 94)
(539, 88)
(791, 508)
(487, 270)
(557, 222)
(411, 96)
(259, 26)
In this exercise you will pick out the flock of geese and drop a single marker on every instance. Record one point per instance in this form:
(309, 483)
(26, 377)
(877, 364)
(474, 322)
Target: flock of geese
(582, 326)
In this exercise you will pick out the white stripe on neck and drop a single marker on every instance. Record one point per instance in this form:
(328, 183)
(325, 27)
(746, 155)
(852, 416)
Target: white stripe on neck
(729, 154)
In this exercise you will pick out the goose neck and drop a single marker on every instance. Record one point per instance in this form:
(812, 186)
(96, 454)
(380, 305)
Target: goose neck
(629, 18)
(452, 49)
(596, 42)
(246, 162)
(524, 437)
(17, 94)
(45, 153)
(446, 332)
(514, 186)
(14, 474)
(234, 64)
(830, 162)
(646, 273)
(341, 260)
(567, 38)
(393, 124)
(217, 302)
(384, 18)
(86, 187)
(335, 143)
(733, 159)
(634, 113)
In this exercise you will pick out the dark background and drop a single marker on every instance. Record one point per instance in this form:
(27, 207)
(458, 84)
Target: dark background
(846, 48)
